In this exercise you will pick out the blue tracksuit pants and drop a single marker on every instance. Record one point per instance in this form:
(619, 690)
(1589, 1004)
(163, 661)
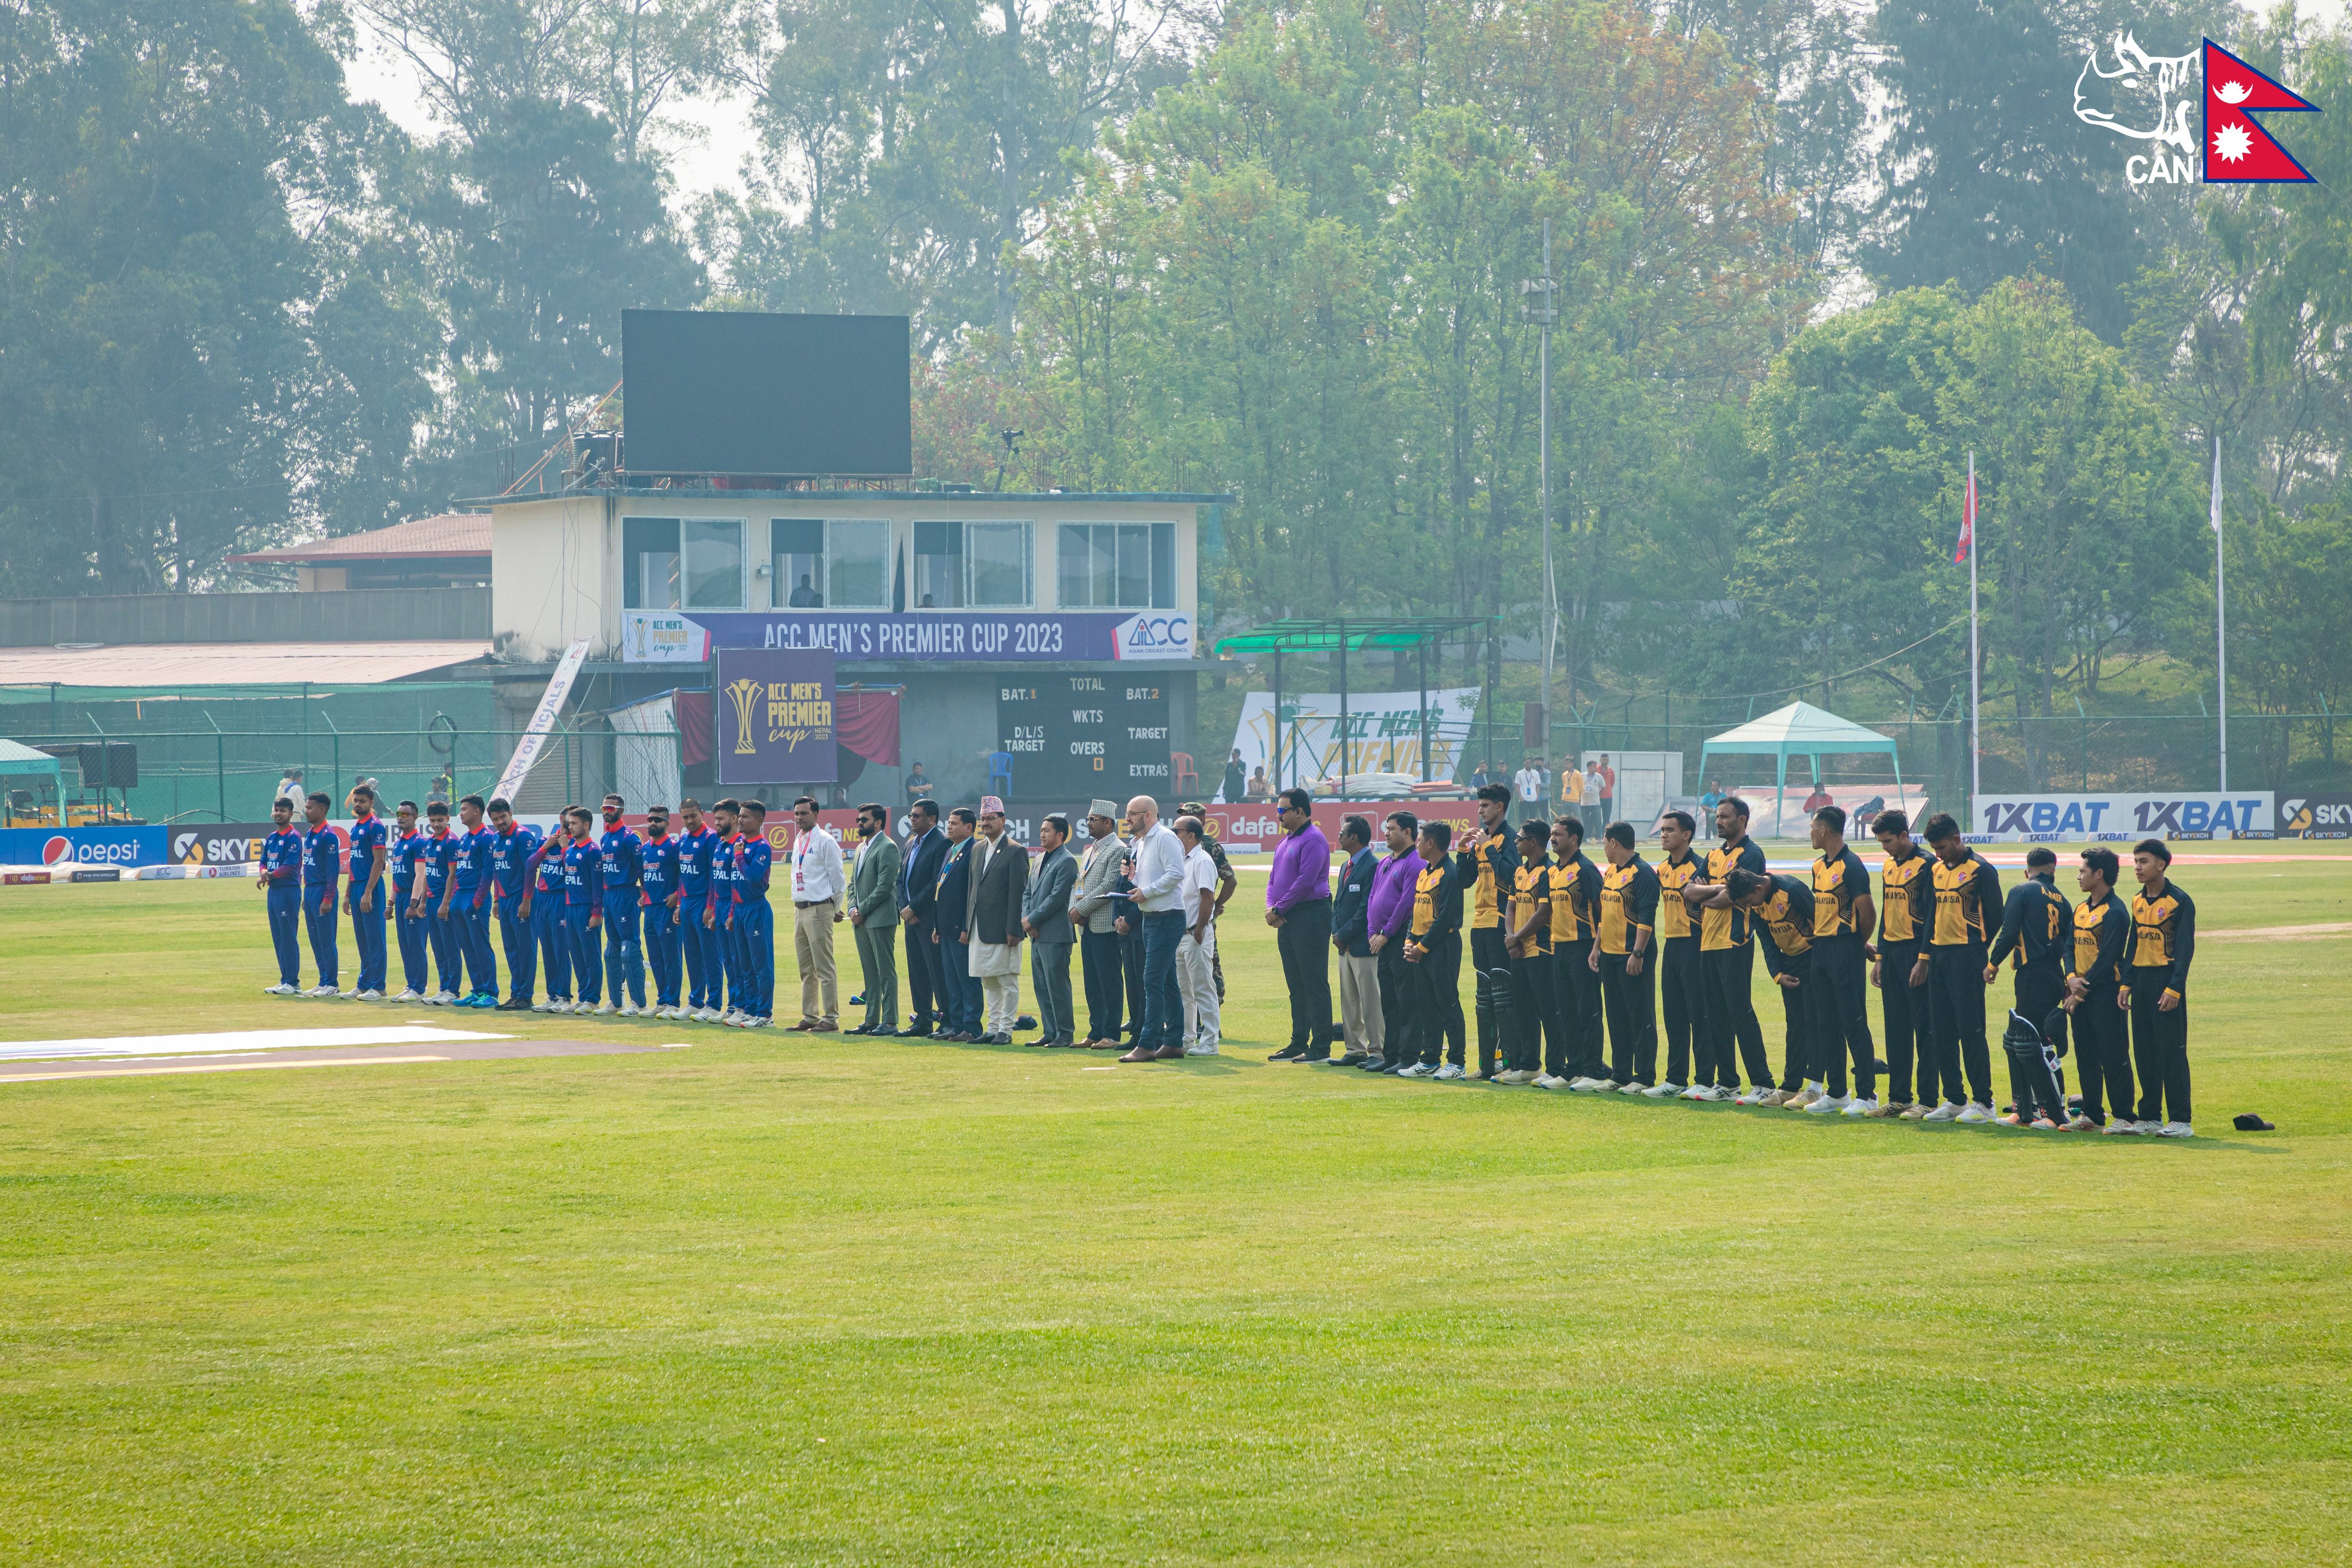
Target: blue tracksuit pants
(367, 935)
(756, 926)
(413, 933)
(324, 924)
(474, 930)
(587, 964)
(286, 931)
(661, 940)
(624, 957)
(523, 949)
(690, 950)
(554, 941)
(449, 934)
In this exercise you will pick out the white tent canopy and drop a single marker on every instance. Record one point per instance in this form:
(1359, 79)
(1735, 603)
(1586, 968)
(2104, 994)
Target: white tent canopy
(1799, 729)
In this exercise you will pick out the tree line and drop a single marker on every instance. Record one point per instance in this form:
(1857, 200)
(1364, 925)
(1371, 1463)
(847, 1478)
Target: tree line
(1810, 254)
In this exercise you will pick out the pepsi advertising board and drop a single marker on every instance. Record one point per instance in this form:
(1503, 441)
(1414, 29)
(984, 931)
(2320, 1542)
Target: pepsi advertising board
(71, 847)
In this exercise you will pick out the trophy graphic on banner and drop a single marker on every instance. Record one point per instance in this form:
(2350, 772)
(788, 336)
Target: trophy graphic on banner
(744, 693)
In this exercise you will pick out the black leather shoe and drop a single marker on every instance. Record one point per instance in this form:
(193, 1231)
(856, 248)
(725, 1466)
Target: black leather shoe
(1353, 1059)
(514, 1005)
(1313, 1058)
(1288, 1053)
(911, 1033)
(1377, 1065)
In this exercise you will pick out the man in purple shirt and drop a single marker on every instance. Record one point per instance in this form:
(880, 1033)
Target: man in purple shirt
(1299, 907)
(1386, 919)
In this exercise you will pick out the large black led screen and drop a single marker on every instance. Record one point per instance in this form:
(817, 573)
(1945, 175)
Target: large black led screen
(736, 391)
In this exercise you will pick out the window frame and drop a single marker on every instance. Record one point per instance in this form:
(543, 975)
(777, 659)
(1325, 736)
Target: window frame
(686, 526)
(1158, 545)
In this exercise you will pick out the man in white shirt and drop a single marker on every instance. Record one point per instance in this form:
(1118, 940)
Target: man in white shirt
(1529, 783)
(1158, 879)
(1196, 953)
(817, 889)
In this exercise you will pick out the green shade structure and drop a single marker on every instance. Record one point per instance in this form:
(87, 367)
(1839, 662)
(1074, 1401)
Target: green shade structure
(1801, 729)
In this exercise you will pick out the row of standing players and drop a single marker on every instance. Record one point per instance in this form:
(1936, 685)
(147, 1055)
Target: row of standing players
(692, 906)
(1566, 954)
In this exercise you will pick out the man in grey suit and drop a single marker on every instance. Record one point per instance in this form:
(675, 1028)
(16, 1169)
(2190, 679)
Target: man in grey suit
(873, 914)
(1045, 915)
(1090, 903)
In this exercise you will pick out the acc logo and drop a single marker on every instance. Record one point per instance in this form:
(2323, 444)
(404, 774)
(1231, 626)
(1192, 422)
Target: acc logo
(1146, 636)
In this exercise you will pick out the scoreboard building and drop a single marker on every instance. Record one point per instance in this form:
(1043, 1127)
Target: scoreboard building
(758, 499)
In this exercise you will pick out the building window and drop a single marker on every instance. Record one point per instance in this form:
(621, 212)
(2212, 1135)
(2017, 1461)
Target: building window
(1117, 565)
(649, 564)
(938, 565)
(713, 551)
(857, 563)
(796, 557)
(997, 565)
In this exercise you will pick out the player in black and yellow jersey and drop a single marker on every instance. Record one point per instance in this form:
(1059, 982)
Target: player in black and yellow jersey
(1621, 957)
(1907, 907)
(1781, 908)
(1967, 891)
(2095, 993)
(1691, 1068)
(1432, 949)
(1727, 953)
(1842, 912)
(1528, 939)
(2037, 933)
(2164, 940)
(1487, 859)
(1575, 1061)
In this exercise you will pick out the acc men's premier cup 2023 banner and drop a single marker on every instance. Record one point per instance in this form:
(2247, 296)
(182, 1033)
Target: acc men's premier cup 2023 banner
(771, 716)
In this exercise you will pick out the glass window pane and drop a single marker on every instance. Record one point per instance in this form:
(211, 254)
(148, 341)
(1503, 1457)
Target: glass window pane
(1102, 571)
(796, 563)
(1164, 565)
(999, 557)
(714, 563)
(858, 564)
(1071, 560)
(938, 565)
(1134, 568)
(649, 574)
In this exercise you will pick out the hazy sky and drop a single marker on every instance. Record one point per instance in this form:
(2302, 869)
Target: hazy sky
(724, 126)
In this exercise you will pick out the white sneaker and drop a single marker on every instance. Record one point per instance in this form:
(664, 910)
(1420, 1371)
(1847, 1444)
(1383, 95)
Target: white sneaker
(1973, 1113)
(1754, 1096)
(321, 993)
(1664, 1090)
(371, 996)
(1947, 1111)
(2175, 1130)
(1635, 1087)
(628, 1010)
(442, 1000)
(1449, 1073)
(1549, 1080)
(1802, 1097)
(1515, 1076)
(1418, 1070)
(2078, 1122)
(1589, 1086)
(410, 995)
(1697, 1091)
(1858, 1106)
(1200, 1051)
(280, 989)
(1828, 1104)
(2122, 1126)
(542, 1005)
(605, 1010)
(1718, 1094)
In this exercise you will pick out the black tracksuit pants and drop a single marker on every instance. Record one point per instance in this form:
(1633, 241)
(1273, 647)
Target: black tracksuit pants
(1797, 1011)
(1731, 1012)
(1490, 991)
(1400, 1002)
(2037, 996)
(2160, 1048)
(1576, 992)
(1841, 1014)
(1532, 1007)
(1437, 1004)
(1682, 992)
(1906, 1010)
(1632, 1003)
(2102, 1033)
(1956, 1004)
(1304, 942)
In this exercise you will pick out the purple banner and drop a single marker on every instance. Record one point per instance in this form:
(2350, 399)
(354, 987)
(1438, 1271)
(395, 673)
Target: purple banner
(771, 712)
(956, 636)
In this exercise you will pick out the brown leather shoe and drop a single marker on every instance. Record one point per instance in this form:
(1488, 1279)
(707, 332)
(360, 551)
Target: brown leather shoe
(798, 1027)
(1139, 1054)
(1168, 1053)
(825, 1028)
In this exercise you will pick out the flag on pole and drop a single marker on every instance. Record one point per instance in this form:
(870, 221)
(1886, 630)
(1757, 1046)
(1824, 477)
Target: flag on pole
(1967, 520)
(2216, 488)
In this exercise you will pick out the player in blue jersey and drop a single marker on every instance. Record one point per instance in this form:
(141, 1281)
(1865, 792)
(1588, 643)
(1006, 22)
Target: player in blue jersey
(465, 906)
(512, 844)
(657, 861)
(696, 843)
(754, 921)
(408, 849)
(438, 858)
(371, 851)
(725, 990)
(323, 869)
(281, 883)
(625, 959)
(582, 915)
(542, 902)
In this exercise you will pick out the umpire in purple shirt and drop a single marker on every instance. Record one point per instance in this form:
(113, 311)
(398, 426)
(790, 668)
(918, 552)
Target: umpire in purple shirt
(1386, 921)
(1299, 907)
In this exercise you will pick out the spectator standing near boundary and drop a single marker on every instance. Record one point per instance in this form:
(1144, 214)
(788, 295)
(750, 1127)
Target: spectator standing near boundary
(1091, 909)
(1196, 951)
(1045, 916)
(874, 916)
(918, 881)
(1159, 877)
(818, 886)
(1227, 883)
(1299, 907)
(1359, 985)
(1389, 917)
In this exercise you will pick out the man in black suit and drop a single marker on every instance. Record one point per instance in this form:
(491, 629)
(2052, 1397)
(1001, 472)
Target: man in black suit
(918, 890)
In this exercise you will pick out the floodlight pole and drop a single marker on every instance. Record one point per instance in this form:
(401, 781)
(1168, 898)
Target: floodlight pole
(1545, 316)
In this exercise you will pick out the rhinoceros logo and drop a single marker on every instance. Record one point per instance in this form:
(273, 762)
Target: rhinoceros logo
(2146, 98)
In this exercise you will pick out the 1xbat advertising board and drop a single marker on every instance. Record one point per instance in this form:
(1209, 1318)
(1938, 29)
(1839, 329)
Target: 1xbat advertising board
(2241, 813)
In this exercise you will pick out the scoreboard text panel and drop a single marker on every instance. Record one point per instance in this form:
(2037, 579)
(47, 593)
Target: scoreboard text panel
(1077, 736)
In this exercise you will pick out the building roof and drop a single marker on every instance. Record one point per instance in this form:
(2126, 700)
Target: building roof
(746, 493)
(450, 534)
(151, 666)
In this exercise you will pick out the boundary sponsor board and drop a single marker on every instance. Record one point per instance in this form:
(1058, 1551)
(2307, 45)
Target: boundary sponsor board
(2012, 819)
(2316, 816)
(118, 846)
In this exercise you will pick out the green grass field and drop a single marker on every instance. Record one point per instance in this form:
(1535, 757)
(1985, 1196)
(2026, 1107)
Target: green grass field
(777, 1299)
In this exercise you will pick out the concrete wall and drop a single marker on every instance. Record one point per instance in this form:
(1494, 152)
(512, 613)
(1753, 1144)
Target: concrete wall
(362, 615)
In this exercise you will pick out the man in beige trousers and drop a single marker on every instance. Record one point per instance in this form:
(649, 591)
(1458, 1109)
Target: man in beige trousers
(817, 890)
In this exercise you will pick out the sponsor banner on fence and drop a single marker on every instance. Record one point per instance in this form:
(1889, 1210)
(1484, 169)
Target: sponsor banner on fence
(923, 636)
(67, 847)
(223, 843)
(1385, 731)
(2316, 817)
(2012, 819)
